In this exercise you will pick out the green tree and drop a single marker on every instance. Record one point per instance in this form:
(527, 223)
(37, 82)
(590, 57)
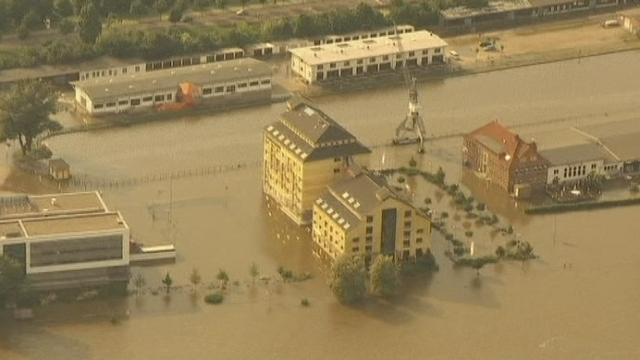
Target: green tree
(384, 277)
(32, 20)
(221, 4)
(25, 111)
(89, 23)
(195, 278)
(254, 272)
(66, 26)
(12, 278)
(167, 282)
(23, 31)
(176, 13)
(348, 279)
(63, 8)
(138, 8)
(223, 278)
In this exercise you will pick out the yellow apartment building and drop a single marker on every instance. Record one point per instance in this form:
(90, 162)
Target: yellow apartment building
(362, 215)
(303, 153)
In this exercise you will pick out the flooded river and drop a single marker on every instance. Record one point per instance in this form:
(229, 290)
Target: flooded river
(580, 300)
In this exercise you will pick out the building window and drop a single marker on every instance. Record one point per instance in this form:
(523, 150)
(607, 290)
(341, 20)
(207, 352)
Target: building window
(169, 96)
(231, 88)
(438, 50)
(369, 239)
(406, 243)
(336, 170)
(124, 70)
(372, 60)
(407, 234)
(254, 83)
(355, 240)
(135, 102)
(265, 82)
(412, 53)
(407, 213)
(555, 172)
(593, 166)
(369, 230)
(355, 249)
(320, 67)
(420, 231)
(368, 248)
(369, 219)
(219, 89)
(111, 104)
(98, 106)
(346, 63)
(207, 91)
(360, 62)
(159, 98)
(123, 102)
(332, 65)
(147, 98)
(385, 58)
(137, 68)
(242, 85)
(407, 224)
(418, 240)
(337, 159)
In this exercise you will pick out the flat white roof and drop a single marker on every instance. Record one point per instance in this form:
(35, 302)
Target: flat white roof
(364, 48)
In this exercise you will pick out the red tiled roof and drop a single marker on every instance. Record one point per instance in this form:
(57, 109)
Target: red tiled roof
(501, 135)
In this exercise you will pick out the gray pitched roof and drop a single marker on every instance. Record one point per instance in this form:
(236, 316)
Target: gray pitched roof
(313, 135)
(203, 74)
(576, 153)
(354, 198)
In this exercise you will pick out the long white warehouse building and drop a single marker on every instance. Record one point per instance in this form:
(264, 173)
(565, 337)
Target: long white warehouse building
(357, 57)
(234, 80)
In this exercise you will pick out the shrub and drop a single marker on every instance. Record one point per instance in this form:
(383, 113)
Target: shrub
(305, 302)
(480, 206)
(401, 179)
(214, 298)
(427, 200)
(412, 162)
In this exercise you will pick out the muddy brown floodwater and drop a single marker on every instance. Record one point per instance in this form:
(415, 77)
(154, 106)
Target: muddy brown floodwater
(580, 300)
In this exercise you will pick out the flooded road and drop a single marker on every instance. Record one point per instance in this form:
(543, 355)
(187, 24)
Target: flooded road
(580, 300)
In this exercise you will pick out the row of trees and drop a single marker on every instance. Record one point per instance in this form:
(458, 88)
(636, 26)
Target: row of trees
(92, 42)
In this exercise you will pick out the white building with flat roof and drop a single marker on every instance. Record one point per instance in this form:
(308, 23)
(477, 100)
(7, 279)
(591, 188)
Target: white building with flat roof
(65, 240)
(364, 56)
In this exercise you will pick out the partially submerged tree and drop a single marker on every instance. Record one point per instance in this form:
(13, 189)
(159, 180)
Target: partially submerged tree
(348, 279)
(384, 277)
(25, 111)
(254, 272)
(223, 277)
(139, 282)
(167, 282)
(195, 278)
